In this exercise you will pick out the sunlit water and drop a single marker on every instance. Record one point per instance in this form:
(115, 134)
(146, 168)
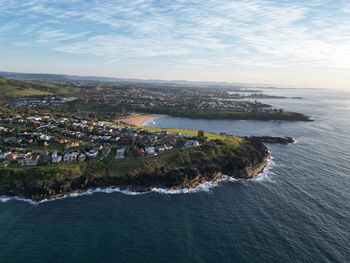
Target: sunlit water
(298, 210)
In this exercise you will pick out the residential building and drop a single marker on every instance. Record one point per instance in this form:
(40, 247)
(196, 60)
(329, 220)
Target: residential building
(191, 143)
(82, 157)
(92, 154)
(120, 153)
(150, 150)
(70, 157)
(32, 160)
(55, 158)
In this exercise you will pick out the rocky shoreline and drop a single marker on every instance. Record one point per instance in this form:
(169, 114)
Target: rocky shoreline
(272, 140)
(249, 161)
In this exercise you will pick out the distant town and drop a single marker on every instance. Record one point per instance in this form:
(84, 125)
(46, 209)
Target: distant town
(32, 140)
(59, 137)
(80, 121)
(108, 101)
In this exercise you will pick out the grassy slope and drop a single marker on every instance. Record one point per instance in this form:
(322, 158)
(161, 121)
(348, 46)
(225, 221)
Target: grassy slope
(214, 114)
(170, 159)
(50, 172)
(10, 89)
(16, 88)
(210, 135)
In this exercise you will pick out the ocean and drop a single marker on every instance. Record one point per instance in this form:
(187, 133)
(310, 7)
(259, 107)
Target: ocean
(298, 210)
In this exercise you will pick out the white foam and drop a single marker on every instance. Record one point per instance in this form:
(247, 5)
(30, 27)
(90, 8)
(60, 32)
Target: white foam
(5, 199)
(203, 187)
(265, 175)
(151, 121)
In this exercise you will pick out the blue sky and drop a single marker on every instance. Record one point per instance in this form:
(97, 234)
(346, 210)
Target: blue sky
(302, 43)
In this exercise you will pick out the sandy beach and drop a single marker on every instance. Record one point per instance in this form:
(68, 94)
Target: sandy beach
(140, 119)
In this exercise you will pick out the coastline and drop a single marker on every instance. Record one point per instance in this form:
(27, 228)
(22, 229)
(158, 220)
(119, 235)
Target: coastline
(140, 119)
(251, 160)
(195, 186)
(223, 115)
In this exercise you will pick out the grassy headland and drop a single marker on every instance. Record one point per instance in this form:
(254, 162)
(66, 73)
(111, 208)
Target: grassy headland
(179, 157)
(226, 115)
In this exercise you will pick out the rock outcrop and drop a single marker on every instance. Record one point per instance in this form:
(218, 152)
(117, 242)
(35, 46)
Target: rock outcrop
(270, 139)
(249, 160)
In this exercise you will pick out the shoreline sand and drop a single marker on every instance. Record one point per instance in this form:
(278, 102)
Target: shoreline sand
(140, 119)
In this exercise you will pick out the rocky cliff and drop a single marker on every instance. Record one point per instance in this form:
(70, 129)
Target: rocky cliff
(247, 161)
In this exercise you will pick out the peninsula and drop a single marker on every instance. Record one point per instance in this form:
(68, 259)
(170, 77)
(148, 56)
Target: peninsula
(106, 100)
(195, 162)
(62, 138)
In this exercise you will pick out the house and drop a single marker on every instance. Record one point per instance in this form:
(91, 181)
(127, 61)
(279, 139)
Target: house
(45, 137)
(55, 158)
(45, 157)
(4, 164)
(32, 160)
(167, 148)
(11, 156)
(82, 157)
(72, 144)
(5, 155)
(150, 150)
(34, 119)
(120, 153)
(160, 149)
(92, 153)
(21, 161)
(105, 152)
(140, 152)
(191, 143)
(70, 157)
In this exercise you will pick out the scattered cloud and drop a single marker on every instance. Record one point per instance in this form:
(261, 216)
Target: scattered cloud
(8, 26)
(200, 33)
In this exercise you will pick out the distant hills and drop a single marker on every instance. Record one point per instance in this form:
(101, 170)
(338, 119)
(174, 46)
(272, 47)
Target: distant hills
(67, 78)
(62, 78)
(11, 87)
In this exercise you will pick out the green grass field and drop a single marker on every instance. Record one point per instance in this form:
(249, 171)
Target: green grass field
(16, 88)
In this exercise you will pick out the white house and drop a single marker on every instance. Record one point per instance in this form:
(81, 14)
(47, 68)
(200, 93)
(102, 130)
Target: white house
(191, 143)
(82, 157)
(92, 153)
(150, 150)
(45, 137)
(120, 153)
(70, 157)
(34, 118)
(55, 158)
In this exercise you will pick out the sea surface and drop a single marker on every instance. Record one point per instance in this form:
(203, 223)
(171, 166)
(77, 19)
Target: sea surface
(297, 211)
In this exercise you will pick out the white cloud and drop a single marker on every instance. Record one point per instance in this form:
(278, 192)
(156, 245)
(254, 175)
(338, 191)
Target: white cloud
(202, 33)
(50, 36)
(8, 26)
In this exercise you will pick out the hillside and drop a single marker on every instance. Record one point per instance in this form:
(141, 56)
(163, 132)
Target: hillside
(17, 88)
(180, 168)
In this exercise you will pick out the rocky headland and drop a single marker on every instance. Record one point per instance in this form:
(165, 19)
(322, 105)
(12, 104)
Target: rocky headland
(205, 163)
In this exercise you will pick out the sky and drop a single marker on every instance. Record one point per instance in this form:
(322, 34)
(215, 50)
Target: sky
(288, 42)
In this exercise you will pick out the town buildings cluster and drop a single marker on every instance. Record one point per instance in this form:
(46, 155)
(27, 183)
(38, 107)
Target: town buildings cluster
(31, 140)
(39, 101)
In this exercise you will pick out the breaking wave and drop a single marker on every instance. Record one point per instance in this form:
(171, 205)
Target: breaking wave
(203, 187)
(266, 174)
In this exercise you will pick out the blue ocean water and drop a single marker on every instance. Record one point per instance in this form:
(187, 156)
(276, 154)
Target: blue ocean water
(298, 211)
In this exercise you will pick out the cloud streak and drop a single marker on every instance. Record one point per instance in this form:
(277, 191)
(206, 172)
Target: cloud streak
(202, 33)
